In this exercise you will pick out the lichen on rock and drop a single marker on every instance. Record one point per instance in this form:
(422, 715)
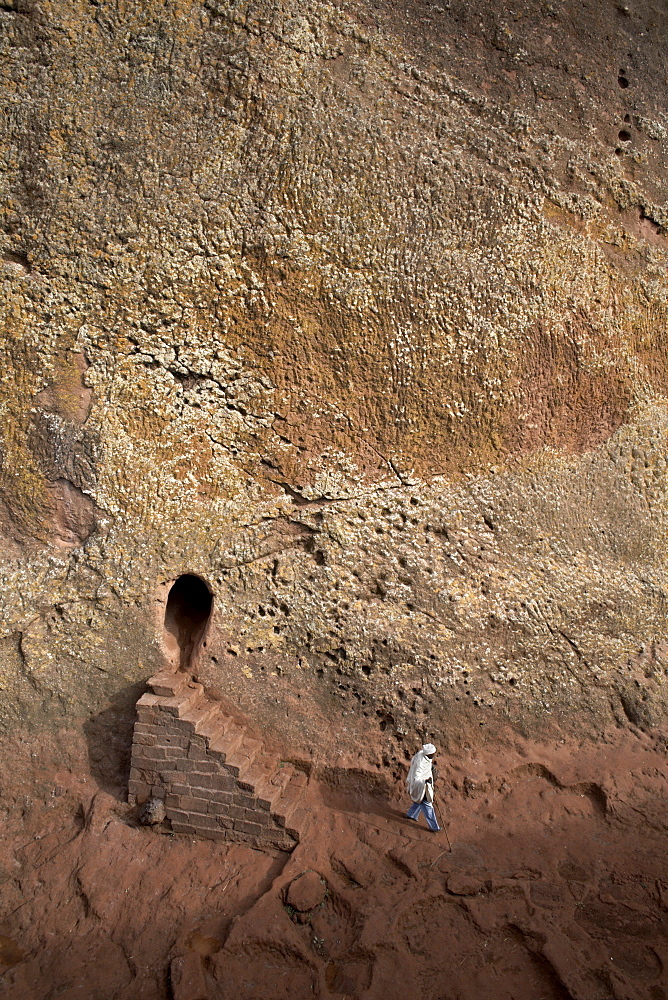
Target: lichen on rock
(359, 316)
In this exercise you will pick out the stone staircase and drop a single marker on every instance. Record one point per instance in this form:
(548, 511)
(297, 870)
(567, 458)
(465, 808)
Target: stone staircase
(215, 780)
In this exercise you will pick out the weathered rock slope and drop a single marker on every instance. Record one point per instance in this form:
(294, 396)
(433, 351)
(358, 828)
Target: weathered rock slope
(555, 888)
(358, 312)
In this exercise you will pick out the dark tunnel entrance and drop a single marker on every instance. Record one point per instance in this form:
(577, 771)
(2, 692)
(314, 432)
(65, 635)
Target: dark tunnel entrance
(186, 615)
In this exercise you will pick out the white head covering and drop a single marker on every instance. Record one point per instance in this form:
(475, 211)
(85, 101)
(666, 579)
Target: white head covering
(419, 773)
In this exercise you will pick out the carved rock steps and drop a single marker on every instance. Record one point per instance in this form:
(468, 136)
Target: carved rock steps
(216, 780)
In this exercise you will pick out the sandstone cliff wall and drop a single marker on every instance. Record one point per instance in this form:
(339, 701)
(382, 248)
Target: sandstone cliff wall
(358, 312)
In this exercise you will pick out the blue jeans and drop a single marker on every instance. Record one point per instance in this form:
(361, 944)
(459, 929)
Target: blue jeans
(429, 814)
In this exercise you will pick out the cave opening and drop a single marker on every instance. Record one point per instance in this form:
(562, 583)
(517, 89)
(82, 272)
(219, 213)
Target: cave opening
(187, 613)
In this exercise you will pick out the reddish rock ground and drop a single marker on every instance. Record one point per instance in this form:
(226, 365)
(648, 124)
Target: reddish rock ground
(555, 887)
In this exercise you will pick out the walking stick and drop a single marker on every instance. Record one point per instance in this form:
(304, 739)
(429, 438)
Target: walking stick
(443, 827)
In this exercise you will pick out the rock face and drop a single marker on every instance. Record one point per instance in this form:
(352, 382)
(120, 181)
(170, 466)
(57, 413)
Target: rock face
(152, 812)
(357, 314)
(306, 892)
(463, 885)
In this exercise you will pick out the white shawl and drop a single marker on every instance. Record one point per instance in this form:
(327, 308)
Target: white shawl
(418, 775)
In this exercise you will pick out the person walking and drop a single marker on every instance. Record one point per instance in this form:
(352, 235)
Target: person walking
(420, 784)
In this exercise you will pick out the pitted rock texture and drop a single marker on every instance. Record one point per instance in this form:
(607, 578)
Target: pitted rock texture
(152, 812)
(358, 313)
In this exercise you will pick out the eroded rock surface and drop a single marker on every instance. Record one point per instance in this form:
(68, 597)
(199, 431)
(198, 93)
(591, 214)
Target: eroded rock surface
(350, 320)
(359, 314)
(306, 892)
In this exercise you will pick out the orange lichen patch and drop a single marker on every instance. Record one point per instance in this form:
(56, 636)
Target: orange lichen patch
(565, 398)
(650, 341)
(67, 393)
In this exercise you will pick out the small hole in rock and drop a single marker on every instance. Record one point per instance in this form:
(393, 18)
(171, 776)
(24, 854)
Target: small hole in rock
(624, 135)
(622, 81)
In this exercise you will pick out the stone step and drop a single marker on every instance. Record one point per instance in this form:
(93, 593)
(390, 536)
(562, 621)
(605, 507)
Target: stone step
(188, 698)
(265, 766)
(264, 770)
(251, 747)
(232, 728)
(281, 776)
(198, 715)
(228, 741)
(289, 801)
(240, 762)
(191, 696)
(149, 704)
(296, 822)
(272, 783)
(170, 684)
(251, 751)
(213, 730)
(268, 794)
(290, 813)
(299, 778)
